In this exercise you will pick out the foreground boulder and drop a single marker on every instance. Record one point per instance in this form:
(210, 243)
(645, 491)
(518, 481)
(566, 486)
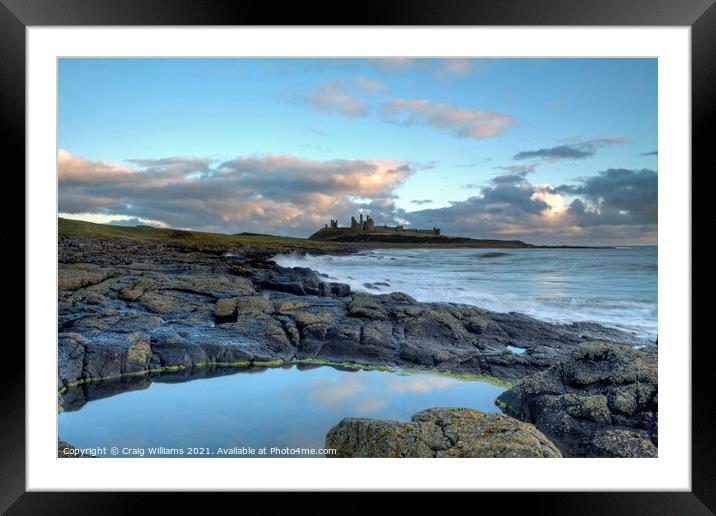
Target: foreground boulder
(600, 402)
(440, 432)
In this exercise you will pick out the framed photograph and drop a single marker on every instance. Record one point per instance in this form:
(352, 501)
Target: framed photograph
(432, 250)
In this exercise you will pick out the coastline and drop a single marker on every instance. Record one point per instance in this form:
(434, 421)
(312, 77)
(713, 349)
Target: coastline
(615, 288)
(138, 307)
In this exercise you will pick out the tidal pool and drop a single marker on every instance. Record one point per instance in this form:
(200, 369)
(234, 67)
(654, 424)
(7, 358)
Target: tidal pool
(236, 413)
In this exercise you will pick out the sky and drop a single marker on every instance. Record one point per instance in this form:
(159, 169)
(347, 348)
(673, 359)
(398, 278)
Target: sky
(549, 151)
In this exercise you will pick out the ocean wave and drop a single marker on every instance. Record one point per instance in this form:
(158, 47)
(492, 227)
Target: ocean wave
(617, 288)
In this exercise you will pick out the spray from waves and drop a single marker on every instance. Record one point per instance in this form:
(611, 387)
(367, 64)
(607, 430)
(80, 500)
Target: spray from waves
(614, 287)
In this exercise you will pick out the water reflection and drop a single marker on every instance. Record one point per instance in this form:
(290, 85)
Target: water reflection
(421, 383)
(278, 407)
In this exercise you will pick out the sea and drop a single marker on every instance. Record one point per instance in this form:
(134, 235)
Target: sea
(616, 287)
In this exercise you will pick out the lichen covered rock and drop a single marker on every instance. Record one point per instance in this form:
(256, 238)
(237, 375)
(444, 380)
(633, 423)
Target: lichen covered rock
(440, 432)
(601, 401)
(78, 275)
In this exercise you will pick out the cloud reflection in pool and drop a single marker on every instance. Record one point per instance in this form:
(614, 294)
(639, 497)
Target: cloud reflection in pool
(277, 407)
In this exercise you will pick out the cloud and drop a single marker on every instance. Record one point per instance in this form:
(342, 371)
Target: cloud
(650, 153)
(417, 383)
(576, 149)
(73, 168)
(352, 98)
(439, 67)
(612, 140)
(465, 122)
(289, 195)
(273, 193)
(329, 98)
(341, 96)
(615, 206)
(507, 179)
(559, 152)
(615, 197)
(396, 64)
(134, 221)
(363, 83)
(496, 210)
(329, 393)
(457, 66)
(519, 169)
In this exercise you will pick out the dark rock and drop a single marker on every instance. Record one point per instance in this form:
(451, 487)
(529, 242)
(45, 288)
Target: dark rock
(624, 444)
(367, 306)
(256, 304)
(335, 289)
(70, 357)
(591, 401)
(225, 310)
(170, 348)
(266, 331)
(293, 280)
(131, 293)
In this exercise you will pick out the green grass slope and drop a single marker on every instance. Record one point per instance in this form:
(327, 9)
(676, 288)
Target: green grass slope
(81, 229)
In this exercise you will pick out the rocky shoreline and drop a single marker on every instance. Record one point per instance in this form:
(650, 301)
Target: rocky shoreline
(600, 401)
(129, 308)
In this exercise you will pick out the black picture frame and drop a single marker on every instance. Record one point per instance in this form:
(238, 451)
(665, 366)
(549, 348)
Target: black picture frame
(17, 15)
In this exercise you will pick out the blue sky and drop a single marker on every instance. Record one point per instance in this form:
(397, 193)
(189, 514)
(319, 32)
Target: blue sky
(547, 150)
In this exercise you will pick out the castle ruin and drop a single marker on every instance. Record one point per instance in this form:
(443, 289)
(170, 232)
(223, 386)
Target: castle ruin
(367, 225)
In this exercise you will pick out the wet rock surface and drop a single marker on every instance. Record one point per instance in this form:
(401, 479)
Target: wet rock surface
(127, 307)
(602, 401)
(440, 432)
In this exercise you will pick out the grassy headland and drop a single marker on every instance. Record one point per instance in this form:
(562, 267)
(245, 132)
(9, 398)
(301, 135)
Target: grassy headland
(408, 239)
(194, 239)
(322, 241)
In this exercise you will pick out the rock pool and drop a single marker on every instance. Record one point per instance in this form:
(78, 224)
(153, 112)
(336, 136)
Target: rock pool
(225, 412)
